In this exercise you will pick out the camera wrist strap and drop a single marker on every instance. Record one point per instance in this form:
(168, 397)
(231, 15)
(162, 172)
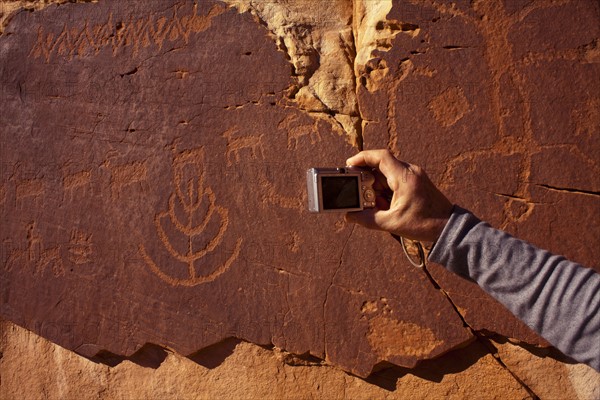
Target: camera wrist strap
(419, 262)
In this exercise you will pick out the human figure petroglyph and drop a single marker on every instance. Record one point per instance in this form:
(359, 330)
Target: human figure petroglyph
(35, 257)
(506, 73)
(235, 144)
(40, 257)
(199, 205)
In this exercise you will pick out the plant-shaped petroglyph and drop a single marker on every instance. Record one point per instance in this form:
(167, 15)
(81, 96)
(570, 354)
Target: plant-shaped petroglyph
(192, 213)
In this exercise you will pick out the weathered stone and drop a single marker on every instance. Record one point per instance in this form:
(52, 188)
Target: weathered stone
(547, 373)
(154, 193)
(501, 110)
(30, 365)
(317, 38)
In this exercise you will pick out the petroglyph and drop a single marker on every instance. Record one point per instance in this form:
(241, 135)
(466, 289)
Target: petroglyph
(191, 195)
(293, 242)
(80, 248)
(405, 68)
(449, 106)
(296, 132)
(270, 195)
(29, 188)
(587, 118)
(371, 307)
(339, 226)
(36, 257)
(125, 175)
(235, 144)
(506, 73)
(87, 38)
(76, 183)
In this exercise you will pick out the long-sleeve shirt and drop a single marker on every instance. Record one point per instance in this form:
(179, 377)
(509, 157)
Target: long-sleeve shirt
(557, 298)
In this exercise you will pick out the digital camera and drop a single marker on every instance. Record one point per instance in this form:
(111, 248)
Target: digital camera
(340, 189)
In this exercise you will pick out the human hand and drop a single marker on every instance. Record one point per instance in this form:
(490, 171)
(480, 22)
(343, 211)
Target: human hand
(407, 204)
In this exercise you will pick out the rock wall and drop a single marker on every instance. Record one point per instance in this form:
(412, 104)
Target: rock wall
(155, 239)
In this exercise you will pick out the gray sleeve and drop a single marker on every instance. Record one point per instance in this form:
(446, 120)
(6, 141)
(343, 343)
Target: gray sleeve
(557, 298)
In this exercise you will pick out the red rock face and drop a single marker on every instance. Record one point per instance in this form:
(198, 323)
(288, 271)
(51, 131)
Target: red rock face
(153, 164)
(153, 192)
(499, 101)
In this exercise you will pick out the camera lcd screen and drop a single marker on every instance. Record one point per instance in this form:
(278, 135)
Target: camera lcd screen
(340, 192)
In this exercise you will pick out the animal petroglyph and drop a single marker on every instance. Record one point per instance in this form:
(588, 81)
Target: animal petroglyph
(29, 188)
(89, 38)
(235, 144)
(76, 183)
(36, 256)
(296, 132)
(198, 204)
(124, 175)
(587, 118)
(270, 195)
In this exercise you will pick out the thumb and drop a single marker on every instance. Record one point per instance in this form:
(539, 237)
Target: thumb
(370, 218)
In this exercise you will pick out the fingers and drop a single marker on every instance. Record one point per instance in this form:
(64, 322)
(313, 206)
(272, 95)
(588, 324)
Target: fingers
(395, 171)
(383, 160)
(371, 158)
(371, 218)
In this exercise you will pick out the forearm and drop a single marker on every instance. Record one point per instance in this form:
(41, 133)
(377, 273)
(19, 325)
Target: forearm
(557, 298)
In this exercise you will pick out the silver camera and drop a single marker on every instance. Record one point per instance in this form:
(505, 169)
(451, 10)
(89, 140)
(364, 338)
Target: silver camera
(340, 189)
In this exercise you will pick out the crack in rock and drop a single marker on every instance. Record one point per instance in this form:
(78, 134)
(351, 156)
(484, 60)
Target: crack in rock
(478, 335)
(570, 190)
(328, 55)
(331, 283)
(320, 51)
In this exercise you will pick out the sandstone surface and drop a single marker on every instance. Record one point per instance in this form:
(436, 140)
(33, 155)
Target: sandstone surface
(32, 366)
(152, 193)
(155, 194)
(499, 109)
